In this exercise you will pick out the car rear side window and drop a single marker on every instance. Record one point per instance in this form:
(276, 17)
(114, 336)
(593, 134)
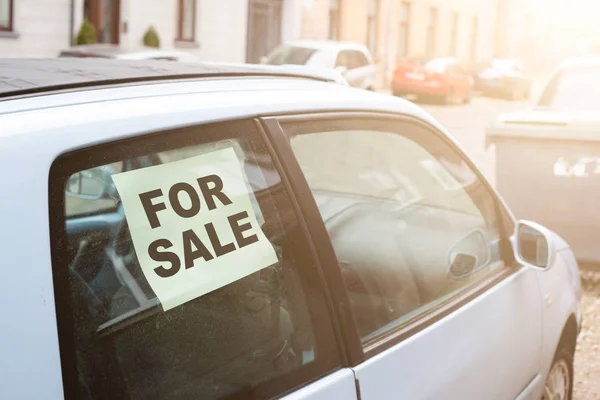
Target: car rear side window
(196, 282)
(573, 89)
(290, 55)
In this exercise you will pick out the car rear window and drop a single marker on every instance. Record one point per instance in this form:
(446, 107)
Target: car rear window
(290, 55)
(574, 88)
(181, 271)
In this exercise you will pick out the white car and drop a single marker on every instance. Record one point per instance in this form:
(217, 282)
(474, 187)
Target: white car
(352, 60)
(186, 231)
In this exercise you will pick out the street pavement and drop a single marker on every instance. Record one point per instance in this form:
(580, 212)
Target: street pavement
(467, 124)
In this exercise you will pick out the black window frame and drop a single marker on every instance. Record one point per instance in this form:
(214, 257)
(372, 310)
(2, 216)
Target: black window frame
(333, 356)
(349, 120)
(181, 21)
(11, 13)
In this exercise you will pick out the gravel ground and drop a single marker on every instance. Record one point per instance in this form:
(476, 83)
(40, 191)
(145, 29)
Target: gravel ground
(587, 355)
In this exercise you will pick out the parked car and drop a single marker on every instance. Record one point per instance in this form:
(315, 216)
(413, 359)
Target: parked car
(187, 231)
(441, 78)
(560, 138)
(503, 77)
(352, 60)
(107, 50)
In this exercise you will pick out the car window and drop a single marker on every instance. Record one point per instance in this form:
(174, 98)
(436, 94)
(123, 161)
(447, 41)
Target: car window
(438, 65)
(290, 55)
(343, 59)
(411, 223)
(359, 59)
(196, 282)
(574, 88)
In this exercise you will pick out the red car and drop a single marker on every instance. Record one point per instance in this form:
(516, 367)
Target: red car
(441, 78)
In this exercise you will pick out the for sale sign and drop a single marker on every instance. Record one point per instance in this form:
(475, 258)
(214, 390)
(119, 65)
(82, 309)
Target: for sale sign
(193, 226)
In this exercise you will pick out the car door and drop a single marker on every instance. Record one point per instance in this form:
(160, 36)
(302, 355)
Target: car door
(421, 243)
(183, 270)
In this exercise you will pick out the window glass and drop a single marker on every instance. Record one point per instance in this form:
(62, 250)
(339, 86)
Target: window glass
(343, 59)
(359, 59)
(575, 88)
(187, 18)
(290, 55)
(410, 222)
(5, 14)
(187, 274)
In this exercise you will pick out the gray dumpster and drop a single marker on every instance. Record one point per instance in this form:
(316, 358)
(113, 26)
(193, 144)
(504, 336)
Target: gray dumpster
(549, 172)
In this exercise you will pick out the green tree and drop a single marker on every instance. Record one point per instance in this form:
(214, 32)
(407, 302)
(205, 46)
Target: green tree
(86, 34)
(151, 38)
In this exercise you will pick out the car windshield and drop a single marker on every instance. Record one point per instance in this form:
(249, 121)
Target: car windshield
(505, 65)
(438, 65)
(290, 55)
(576, 88)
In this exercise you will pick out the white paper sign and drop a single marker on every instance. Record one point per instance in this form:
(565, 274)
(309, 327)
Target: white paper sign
(193, 226)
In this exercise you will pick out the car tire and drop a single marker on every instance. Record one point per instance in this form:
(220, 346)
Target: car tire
(446, 99)
(468, 98)
(559, 382)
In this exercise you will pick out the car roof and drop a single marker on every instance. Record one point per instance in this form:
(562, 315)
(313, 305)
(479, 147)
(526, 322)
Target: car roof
(20, 77)
(326, 45)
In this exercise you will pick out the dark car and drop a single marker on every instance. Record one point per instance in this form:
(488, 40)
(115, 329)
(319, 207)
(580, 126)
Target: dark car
(504, 78)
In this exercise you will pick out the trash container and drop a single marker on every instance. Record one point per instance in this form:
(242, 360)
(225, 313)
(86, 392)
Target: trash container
(550, 174)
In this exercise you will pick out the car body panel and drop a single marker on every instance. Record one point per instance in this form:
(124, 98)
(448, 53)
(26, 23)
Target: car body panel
(429, 368)
(339, 385)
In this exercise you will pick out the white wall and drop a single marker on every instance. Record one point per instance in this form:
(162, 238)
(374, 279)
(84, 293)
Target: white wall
(221, 28)
(141, 14)
(42, 28)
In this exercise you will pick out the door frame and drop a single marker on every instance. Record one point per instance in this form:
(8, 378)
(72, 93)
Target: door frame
(355, 350)
(115, 15)
(250, 28)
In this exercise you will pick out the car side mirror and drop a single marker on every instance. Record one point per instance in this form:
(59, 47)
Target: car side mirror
(91, 184)
(469, 254)
(534, 245)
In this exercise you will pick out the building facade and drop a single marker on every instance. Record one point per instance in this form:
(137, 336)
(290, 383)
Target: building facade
(245, 30)
(214, 30)
(398, 29)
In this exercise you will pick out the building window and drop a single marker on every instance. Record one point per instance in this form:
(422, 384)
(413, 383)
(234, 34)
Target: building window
(186, 27)
(6, 10)
(372, 14)
(431, 31)
(474, 37)
(334, 19)
(403, 31)
(454, 35)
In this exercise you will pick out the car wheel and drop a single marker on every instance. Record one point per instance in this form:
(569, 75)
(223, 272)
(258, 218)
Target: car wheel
(468, 98)
(447, 98)
(559, 383)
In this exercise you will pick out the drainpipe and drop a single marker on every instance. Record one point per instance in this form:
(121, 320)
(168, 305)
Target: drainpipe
(72, 23)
